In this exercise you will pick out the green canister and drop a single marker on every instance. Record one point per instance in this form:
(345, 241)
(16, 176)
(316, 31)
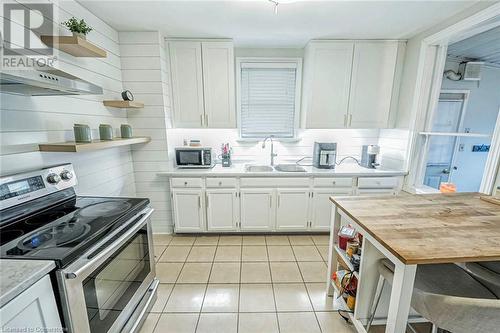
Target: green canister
(105, 132)
(126, 131)
(82, 133)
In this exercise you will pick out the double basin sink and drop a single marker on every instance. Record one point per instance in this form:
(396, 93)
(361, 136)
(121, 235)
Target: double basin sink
(279, 167)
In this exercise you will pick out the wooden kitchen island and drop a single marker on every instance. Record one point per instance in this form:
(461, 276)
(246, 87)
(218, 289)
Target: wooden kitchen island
(411, 230)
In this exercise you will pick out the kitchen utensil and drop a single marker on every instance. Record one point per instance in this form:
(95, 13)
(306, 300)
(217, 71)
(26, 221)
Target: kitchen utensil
(82, 133)
(105, 132)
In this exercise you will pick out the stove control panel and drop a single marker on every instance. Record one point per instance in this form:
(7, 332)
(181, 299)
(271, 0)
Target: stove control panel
(22, 187)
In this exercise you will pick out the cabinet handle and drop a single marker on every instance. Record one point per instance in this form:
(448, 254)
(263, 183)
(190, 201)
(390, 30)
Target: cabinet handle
(279, 200)
(199, 201)
(270, 201)
(201, 120)
(350, 119)
(345, 119)
(206, 120)
(207, 199)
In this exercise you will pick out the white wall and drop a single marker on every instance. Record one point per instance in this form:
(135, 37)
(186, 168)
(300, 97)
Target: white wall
(480, 117)
(27, 121)
(145, 72)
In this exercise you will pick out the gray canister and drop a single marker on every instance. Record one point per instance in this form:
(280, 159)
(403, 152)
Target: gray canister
(105, 132)
(126, 131)
(82, 133)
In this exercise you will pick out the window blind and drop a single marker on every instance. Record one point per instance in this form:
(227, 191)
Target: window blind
(268, 101)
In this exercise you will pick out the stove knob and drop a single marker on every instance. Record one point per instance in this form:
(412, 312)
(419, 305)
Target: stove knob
(53, 178)
(66, 175)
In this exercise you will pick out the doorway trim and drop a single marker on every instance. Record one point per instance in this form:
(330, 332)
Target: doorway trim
(492, 161)
(431, 63)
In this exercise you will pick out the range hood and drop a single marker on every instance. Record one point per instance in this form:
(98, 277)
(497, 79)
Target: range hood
(44, 83)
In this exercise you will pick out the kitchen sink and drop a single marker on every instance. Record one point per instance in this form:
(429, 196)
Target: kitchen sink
(258, 168)
(289, 168)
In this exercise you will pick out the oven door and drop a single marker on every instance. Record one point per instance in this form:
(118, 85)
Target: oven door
(103, 289)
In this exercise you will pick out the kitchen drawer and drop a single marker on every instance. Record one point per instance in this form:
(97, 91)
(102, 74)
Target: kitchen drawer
(274, 182)
(187, 182)
(332, 182)
(378, 182)
(221, 182)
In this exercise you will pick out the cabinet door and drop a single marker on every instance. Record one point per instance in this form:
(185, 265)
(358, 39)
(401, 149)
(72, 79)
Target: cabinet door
(322, 207)
(374, 66)
(222, 209)
(327, 71)
(292, 209)
(218, 84)
(33, 310)
(187, 84)
(257, 206)
(188, 210)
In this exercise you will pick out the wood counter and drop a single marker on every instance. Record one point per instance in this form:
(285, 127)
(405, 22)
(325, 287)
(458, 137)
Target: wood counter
(430, 228)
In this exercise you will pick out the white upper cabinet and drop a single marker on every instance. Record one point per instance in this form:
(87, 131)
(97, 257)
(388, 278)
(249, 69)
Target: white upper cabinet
(372, 82)
(327, 78)
(202, 76)
(187, 83)
(351, 84)
(218, 83)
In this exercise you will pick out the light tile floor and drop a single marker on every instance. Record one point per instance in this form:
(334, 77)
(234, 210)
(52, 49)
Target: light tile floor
(243, 284)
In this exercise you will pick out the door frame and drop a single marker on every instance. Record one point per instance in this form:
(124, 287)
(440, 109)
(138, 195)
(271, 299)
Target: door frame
(492, 161)
(431, 64)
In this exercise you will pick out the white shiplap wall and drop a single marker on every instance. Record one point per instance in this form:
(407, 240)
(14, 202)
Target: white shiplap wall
(145, 73)
(27, 121)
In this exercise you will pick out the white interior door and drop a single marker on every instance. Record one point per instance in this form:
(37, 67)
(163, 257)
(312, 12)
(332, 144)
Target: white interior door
(222, 209)
(327, 78)
(292, 209)
(188, 210)
(373, 70)
(257, 209)
(322, 207)
(187, 83)
(218, 84)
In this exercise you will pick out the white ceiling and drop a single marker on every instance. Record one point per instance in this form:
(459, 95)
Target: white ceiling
(254, 24)
(484, 47)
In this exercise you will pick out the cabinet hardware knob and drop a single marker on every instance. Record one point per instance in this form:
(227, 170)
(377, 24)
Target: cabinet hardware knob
(185, 183)
(220, 183)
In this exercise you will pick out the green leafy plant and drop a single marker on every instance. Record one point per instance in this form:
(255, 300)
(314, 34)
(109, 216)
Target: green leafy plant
(76, 26)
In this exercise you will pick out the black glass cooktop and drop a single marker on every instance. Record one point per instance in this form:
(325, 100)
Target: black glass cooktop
(65, 230)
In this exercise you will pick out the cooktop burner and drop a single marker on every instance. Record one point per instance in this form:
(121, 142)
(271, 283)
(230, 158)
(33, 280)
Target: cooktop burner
(65, 230)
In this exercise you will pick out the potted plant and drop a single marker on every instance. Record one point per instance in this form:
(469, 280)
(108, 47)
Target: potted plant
(79, 28)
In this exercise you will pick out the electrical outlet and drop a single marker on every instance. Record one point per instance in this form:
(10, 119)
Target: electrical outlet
(461, 147)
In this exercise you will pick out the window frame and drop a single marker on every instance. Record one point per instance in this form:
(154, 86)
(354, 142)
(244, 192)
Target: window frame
(270, 62)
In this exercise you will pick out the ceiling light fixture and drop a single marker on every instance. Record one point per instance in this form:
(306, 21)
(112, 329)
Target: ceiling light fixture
(276, 4)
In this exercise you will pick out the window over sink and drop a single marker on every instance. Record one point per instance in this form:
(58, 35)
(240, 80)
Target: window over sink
(268, 97)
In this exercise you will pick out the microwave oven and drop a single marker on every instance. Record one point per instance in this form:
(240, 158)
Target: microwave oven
(193, 157)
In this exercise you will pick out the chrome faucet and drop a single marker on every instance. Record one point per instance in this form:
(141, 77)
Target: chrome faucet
(273, 155)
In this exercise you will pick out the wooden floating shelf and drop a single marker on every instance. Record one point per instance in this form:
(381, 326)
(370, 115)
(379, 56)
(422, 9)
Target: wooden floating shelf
(124, 104)
(76, 46)
(74, 147)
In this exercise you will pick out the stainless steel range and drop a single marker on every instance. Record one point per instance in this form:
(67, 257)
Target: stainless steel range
(102, 247)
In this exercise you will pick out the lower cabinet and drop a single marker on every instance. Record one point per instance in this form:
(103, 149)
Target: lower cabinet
(257, 209)
(188, 210)
(222, 209)
(34, 310)
(321, 207)
(292, 212)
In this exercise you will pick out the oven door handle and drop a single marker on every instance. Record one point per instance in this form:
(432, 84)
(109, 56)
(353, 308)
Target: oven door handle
(106, 252)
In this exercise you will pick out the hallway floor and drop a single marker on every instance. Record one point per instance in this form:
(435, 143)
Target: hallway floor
(244, 284)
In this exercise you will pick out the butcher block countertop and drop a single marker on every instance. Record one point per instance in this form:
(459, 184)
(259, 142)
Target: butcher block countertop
(429, 228)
